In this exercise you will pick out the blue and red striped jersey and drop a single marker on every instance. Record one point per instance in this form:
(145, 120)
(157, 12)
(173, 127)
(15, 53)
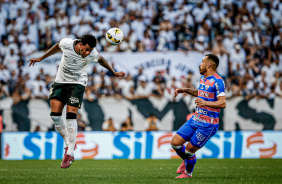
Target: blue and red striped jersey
(209, 89)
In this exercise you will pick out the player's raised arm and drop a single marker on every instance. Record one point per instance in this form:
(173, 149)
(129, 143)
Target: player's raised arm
(50, 52)
(103, 62)
(191, 91)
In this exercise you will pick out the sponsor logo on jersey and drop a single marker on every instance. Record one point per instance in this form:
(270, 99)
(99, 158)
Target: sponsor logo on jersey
(196, 118)
(204, 94)
(201, 111)
(74, 100)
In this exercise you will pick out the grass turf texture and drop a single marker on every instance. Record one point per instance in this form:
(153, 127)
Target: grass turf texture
(141, 171)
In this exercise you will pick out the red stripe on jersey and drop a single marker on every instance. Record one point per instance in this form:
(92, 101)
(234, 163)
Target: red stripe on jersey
(217, 76)
(210, 108)
(206, 94)
(209, 83)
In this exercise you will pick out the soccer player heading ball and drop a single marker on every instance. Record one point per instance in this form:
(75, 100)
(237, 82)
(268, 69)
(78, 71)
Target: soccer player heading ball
(204, 123)
(70, 84)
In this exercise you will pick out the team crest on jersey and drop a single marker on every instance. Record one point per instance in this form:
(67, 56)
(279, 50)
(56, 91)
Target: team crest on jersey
(200, 137)
(85, 62)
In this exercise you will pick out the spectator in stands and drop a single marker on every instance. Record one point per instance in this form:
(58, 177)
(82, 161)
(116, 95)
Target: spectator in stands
(89, 94)
(127, 125)
(218, 46)
(132, 94)
(3, 91)
(152, 123)
(267, 69)
(224, 65)
(81, 124)
(136, 77)
(58, 34)
(28, 48)
(41, 74)
(237, 60)
(278, 89)
(24, 36)
(4, 74)
(102, 82)
(11, 60)
(110, 125)
(4, 49)
(200, 44)
(39, 89)
(149, 43)
(125, 85)
(170, 88)
(144, 90)
(229, 42)
(12, 82)
(158, 88)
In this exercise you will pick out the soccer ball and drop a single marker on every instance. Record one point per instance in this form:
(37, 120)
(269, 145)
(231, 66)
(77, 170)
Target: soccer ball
(114, 36)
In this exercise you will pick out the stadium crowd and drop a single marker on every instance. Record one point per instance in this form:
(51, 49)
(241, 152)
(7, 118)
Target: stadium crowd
(245, 34)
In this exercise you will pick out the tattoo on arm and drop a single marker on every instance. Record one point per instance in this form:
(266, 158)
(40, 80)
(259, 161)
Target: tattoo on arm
(193, 92)
(103, 62)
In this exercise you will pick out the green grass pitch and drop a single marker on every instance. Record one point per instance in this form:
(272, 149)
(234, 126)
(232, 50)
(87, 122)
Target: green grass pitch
(141, 171)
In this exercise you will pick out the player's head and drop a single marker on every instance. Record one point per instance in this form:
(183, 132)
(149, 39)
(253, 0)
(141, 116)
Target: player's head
(210, 62)
(87, 44)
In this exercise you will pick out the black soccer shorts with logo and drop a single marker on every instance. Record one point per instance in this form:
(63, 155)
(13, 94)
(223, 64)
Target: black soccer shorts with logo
(70, 94)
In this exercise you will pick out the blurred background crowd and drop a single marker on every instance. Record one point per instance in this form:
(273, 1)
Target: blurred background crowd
(246, 35)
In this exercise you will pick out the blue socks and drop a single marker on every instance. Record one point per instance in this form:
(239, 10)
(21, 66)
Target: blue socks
(180, 150)
(190, 163)
(189, 158)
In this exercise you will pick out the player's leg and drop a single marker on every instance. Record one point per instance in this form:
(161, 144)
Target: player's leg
(177, 143)
(75, 97)
(72, 128)
(56, 116)
(72, 132)
(57, 103)
(183, 135)
(188, 165)
(203, 133)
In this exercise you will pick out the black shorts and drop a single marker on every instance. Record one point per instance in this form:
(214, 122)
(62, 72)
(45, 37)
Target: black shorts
(70, 94)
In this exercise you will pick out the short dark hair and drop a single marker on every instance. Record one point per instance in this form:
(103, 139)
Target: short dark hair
(88, 39)
(213, 58)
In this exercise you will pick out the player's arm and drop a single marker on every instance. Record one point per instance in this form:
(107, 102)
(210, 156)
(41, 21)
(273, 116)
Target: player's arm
(219, 104)
(190, 91)
(103, 62)
(50, 52)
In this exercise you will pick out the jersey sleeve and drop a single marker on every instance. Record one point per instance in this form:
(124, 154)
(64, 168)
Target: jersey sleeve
(219, 88)
(95, 55)
(65, 43)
